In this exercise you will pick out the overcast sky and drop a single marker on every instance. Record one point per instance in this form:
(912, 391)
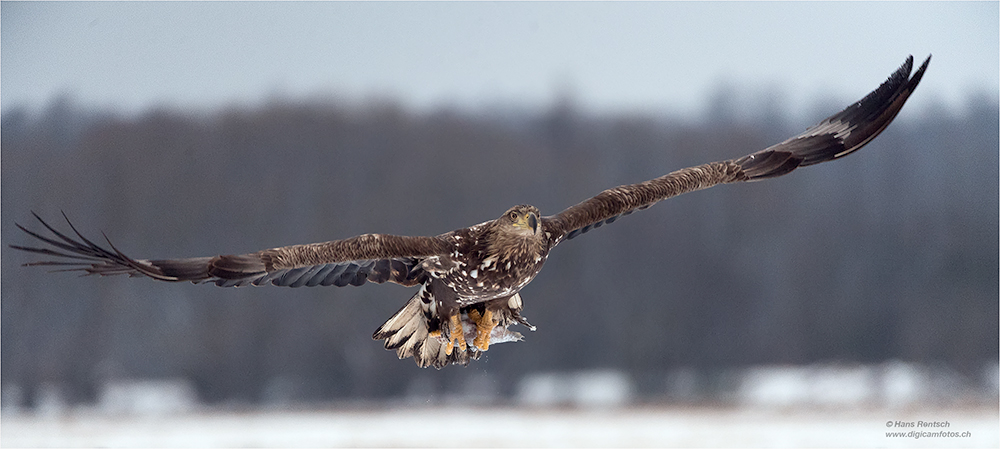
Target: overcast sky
(609, 56)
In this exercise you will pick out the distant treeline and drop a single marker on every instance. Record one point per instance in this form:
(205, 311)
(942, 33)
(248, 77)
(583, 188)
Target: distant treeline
(891, 253)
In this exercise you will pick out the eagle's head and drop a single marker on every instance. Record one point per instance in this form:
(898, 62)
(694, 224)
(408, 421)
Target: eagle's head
(517, 236)
(522, 220)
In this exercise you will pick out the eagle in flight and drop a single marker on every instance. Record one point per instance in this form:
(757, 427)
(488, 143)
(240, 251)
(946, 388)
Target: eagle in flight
(469, 279)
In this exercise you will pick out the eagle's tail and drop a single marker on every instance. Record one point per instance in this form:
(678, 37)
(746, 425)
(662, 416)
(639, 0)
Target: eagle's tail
(407, 332)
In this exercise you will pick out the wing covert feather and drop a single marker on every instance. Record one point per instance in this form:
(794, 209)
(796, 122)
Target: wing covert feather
(611, 204)
(365, 258)
(832, 138)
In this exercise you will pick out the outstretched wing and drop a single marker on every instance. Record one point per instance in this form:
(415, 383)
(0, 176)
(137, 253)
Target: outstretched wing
(834, 137)
(371, 257)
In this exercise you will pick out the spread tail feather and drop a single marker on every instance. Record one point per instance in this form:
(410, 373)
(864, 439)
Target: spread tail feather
(407, 332)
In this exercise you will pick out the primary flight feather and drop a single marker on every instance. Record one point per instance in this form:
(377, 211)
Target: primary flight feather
(469, 279)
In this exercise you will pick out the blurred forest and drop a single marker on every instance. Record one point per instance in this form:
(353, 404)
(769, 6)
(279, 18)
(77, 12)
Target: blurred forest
(889, 254)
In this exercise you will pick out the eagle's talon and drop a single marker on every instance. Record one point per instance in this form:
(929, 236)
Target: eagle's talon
(455, 332)
(484, 328)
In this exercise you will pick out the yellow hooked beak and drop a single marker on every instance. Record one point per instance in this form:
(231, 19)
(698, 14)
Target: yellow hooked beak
(527, 221)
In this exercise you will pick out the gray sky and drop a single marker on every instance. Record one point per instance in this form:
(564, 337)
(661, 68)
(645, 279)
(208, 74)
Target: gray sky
(609, 56)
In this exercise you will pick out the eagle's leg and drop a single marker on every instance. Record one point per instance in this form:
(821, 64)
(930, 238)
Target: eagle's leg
(484, 327)
(455, 332)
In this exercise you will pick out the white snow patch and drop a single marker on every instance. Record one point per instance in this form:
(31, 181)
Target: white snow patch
(51, 400)
(406, 426)
(784, 386)
(148, 396)
(902, 384)
(600, 388)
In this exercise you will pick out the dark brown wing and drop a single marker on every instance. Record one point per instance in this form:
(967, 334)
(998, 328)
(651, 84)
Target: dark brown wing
(370, 257)
(834, 137)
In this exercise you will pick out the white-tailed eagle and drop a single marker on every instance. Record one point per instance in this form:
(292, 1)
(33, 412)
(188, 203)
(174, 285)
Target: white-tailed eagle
(469, 279)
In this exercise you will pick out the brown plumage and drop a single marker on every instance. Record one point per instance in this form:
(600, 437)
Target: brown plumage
(470, 278)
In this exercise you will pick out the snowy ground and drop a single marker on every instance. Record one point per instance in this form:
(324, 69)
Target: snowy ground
(506, 427)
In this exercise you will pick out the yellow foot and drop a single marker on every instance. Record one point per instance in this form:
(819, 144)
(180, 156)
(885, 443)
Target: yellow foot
(484, 327)
(455, 333)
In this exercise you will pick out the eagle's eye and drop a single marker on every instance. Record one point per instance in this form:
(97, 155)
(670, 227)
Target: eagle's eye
(513, 216)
